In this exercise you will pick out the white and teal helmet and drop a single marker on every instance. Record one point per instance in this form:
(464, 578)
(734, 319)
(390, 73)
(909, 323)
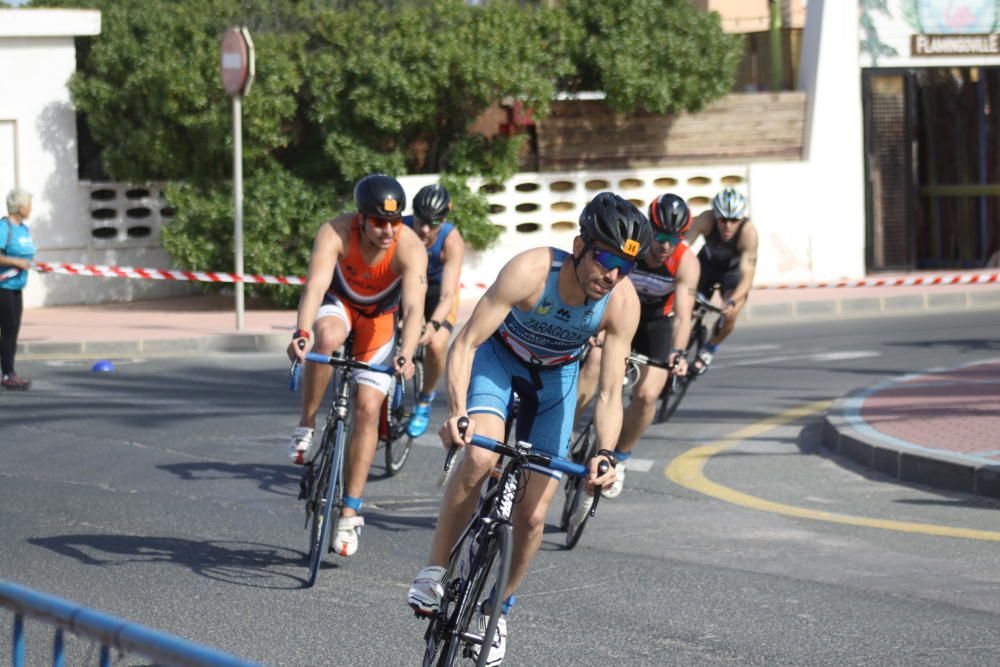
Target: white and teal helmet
(730, 204)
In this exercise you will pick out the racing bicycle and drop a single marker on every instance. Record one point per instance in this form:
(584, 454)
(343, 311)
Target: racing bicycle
(322, 481)
(479, 563)
(677, 386)
(584, 448)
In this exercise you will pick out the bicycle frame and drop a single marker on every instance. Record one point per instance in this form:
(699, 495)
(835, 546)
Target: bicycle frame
(489, 531)
(322, 485)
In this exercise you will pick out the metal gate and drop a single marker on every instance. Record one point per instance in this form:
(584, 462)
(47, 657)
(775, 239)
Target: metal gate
(889, 174)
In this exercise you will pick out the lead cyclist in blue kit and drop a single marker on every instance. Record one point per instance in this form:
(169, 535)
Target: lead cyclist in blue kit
(526, 336)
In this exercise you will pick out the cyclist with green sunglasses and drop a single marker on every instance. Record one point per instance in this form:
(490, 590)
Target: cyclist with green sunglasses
(666, 281)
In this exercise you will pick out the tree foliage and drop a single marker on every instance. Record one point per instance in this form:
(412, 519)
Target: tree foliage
(349, 87)
(662, 56)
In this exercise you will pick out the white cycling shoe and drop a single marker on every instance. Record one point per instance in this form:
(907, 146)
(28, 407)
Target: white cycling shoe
(302, 448)
(426, 591)
(615, 489)
(498, 647)
(702, 363)
(345, 538)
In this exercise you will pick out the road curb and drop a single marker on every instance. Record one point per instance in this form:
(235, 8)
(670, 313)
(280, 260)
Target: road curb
(250, 342)
(937, 469)
(863, 307)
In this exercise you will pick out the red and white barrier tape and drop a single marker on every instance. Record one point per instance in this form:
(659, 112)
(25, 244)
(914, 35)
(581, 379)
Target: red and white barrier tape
(909, 281)
(173, 274)
(218, 277)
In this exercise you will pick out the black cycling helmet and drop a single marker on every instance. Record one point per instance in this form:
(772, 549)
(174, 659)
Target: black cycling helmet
(729, 204)
(669, 214)
(618, 223)
(380, 196)
(432, 203)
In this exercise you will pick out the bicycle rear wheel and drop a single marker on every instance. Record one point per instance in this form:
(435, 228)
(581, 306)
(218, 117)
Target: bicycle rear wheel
(399, 444)
(324, 497)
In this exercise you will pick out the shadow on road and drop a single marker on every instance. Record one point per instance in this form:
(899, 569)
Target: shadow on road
(241, 563)
(282, 480)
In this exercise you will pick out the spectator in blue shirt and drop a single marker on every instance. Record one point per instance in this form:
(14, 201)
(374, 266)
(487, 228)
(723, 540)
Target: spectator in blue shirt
(16, 252)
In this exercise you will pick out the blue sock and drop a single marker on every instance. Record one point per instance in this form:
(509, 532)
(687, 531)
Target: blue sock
(711, 348)
(427, 399)
(622, 456)
(353, 503)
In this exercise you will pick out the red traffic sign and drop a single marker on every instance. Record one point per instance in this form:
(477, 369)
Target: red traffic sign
(237, 61)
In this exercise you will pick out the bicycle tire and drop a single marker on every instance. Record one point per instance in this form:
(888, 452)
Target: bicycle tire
(671, 399)
(573, 535)
(326, 486)
(400, 444)
(492, 564)
(439, 622)
(577, 454)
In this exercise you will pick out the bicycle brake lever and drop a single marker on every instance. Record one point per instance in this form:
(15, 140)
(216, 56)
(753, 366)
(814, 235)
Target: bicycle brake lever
(602, 468)
(463, 425)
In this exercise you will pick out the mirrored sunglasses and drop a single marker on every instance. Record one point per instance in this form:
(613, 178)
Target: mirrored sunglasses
(672, 239)
(610, 261)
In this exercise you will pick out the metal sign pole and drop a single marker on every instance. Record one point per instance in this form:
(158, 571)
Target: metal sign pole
(238, 197)
(237, 77)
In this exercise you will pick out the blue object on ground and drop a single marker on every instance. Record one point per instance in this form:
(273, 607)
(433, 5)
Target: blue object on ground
(103, 366)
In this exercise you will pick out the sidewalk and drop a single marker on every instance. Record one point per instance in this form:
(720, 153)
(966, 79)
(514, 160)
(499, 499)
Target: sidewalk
(938, 428)
(208, 323)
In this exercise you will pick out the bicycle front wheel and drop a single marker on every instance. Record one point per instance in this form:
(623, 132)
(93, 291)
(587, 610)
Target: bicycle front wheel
(400, 444)
(484, 589)
(576, 501)
(676, 387)
(323, 498)
(577, 454)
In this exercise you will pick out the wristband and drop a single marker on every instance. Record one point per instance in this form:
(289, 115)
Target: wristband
(731, 303)
(677, 350)
(610, 455)
(301, 333)
(435, 324)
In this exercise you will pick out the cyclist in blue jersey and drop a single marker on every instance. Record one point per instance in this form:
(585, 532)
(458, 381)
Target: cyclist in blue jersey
(445, 251)
(526, 335)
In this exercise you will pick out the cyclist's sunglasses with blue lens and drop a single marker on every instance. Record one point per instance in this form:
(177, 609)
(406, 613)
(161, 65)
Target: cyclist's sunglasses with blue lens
(610, 261)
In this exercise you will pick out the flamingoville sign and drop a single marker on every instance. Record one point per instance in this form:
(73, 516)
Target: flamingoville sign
(955, 45)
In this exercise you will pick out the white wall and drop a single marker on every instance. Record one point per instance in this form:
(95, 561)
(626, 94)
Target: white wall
(37, 58)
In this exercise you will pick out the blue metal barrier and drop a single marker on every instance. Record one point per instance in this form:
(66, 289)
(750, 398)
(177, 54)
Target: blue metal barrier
(111, 632)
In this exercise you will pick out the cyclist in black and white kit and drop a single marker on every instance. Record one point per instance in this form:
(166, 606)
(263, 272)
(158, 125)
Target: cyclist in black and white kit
(729, 258)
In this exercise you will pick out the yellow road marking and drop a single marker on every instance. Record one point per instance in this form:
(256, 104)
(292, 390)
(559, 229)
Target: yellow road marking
(687, 470)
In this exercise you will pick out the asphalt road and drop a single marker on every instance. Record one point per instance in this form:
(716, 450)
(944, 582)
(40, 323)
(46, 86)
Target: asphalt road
(161, 494)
